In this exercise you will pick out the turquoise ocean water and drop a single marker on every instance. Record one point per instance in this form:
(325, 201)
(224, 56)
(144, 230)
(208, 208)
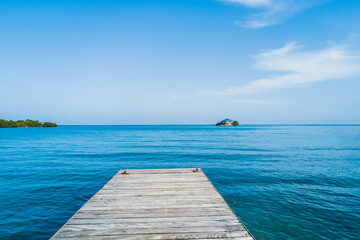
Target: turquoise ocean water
(283, 181)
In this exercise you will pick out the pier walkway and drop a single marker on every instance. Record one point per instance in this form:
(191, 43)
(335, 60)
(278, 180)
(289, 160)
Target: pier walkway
(155, 204)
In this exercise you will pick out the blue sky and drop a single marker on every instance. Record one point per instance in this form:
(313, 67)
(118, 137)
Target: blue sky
(180, 61)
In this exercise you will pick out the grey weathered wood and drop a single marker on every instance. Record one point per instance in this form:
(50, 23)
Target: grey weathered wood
(155, 204)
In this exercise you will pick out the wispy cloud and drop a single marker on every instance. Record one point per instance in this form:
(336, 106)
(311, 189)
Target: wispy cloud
(251, 3)
(296, 67)
(173, 96)
(254, 23)
(270, 12)
(257, 101)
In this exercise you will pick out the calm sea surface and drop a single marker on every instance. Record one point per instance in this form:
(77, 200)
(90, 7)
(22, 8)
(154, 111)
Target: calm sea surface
(284, 182)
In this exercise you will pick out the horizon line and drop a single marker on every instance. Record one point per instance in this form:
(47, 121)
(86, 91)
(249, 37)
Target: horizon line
(210, 124)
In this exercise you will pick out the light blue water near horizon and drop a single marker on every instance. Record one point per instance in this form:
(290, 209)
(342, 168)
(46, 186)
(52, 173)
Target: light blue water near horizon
(283, 181)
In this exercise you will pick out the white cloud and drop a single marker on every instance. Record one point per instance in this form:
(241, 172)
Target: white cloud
(173, 96)
(300, 67)
(257, 101)
(271, 11)
(253, 23)
(251, 3)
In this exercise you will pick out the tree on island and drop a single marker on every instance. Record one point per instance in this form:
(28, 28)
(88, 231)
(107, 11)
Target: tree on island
(25, 123)
(228, 122)
(235, 123)
(49, 124)
(32, 123)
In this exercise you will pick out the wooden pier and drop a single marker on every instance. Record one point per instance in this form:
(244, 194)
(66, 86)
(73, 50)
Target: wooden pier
(155, 204)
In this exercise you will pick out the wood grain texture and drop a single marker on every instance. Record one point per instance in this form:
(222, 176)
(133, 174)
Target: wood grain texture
(155, 204)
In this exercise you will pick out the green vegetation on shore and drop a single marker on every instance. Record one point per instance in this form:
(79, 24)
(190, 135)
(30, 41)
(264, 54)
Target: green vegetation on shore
(25, 123)
(49, 124)
(228, 122)
(235, 123)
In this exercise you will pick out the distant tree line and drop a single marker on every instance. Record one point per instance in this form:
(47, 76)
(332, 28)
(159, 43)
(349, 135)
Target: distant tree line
(25, 123)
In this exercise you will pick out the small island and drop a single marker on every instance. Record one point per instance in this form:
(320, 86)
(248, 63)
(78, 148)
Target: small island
(228, 122)
(25, 123)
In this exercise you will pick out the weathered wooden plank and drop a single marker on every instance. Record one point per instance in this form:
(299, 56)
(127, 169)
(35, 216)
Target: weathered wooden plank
(155, 204)
(154, 201)
(164, 180)
(156, 237)
(159, 183)
(152, 190)
(154, 218)
(159, 213)
(122, 223)
(198, 234)
(118, 202)
(112, 229)
(159, 171)
(163, 193)
(190, 210)
(152, 198)
(135, 207)
(153, 185)
(159, 216)
(152, 193)
(168, 236)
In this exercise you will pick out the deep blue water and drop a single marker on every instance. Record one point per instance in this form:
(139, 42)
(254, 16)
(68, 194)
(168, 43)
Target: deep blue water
(284, 182)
